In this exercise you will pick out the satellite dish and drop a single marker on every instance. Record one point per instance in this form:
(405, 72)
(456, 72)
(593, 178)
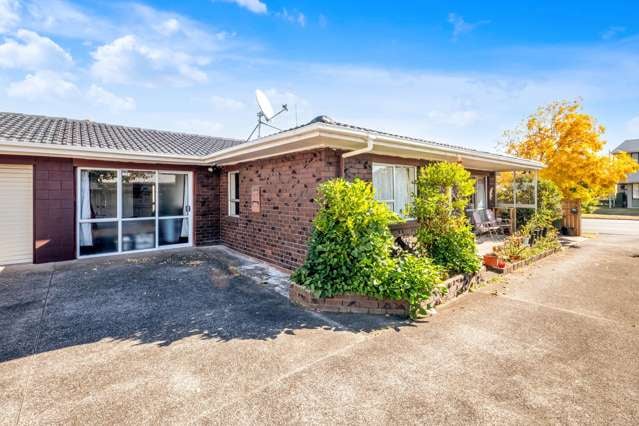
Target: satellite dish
(266, 113)
(264, 104)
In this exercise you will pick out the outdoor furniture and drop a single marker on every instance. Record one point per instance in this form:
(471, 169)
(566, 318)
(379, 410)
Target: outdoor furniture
(504, 224)
(483, 226)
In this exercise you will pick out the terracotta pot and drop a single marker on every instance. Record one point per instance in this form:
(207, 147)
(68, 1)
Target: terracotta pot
(494, 261)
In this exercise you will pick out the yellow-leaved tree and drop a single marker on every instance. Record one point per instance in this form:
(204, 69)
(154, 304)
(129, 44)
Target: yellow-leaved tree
(570, 143)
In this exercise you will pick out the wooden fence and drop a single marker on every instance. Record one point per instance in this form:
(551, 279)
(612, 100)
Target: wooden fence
(571, 219)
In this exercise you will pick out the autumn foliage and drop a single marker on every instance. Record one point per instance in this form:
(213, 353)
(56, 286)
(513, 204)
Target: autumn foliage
(570, 143)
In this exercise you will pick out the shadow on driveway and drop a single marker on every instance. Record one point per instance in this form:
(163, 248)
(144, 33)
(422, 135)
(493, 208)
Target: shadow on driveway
(151, 299)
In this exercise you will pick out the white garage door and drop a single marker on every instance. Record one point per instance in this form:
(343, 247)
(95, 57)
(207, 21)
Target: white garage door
(16, 214)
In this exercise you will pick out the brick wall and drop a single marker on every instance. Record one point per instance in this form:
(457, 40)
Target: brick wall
(54, 209)
(361, 166)
(287, 186)
(206, 211)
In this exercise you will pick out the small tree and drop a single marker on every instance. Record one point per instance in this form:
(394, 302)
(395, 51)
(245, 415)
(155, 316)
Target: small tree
(570, 143)
(444, 233)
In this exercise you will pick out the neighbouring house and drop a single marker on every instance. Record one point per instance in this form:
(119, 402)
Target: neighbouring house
(76, 188)
(628, 191)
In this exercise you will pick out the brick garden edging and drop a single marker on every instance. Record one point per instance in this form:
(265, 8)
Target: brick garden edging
(351, 303)
(359, 304)
(520, 264)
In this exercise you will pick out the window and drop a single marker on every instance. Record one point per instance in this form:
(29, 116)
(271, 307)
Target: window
(234, 193)
(394, 185)
(635, 156)
(479, 198)
(128, 210)
(635, 191)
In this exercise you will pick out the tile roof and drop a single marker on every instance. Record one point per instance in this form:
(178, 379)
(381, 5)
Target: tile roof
(630, 145)
(330, 122)
(39, 129)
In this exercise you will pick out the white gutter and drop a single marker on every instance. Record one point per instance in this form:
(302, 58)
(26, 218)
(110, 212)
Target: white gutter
(369, 147)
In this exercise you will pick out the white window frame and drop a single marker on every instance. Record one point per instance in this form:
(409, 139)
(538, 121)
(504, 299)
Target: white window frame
(119, 219)
(635, 191)
(635, 156)
(395, 166)
(232, 201)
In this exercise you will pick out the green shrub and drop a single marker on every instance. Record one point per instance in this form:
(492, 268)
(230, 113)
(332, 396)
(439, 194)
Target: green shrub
(455, 250)
(413, 279)
(350, 250)
(350, 246)
(444, 233)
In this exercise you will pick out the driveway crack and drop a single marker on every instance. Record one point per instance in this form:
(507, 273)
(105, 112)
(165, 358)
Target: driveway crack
(35, 346)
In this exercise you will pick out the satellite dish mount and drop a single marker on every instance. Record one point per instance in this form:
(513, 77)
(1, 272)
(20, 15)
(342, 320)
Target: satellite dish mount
(266, 114)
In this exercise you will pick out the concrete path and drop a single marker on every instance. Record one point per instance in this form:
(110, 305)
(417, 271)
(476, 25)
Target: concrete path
(188, 338)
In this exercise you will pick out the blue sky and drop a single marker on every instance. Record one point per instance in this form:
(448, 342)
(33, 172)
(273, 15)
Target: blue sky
(457, 72)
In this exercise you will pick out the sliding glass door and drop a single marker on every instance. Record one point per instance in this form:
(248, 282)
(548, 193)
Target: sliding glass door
(132, 210)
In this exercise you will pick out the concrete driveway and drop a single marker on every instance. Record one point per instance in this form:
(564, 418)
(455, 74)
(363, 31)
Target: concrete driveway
(193, 337)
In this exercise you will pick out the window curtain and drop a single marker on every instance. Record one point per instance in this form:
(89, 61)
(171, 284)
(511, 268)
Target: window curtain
(185, 207)
(403, 189)
(480, 195)
(86, 237)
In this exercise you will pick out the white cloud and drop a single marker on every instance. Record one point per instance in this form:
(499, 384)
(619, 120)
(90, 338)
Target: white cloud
(293, 17)
(42, 85)
(114, 102)
(127, 60)
(9, 15)
(632, 126)
(31, 51)
(255, 6)
(322, 21)
(169, 27)
(226, 104)
(455, 118)
(198, 126)
(612, 32)
(460, 26)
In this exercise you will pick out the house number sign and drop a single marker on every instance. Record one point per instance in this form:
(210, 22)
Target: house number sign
(255, 199)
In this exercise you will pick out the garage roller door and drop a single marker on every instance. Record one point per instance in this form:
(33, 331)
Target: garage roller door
(16, 214)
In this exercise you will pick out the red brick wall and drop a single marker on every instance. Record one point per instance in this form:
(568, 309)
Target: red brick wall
(279, 232)
(206, 207)
(54, 209)
(361, 166)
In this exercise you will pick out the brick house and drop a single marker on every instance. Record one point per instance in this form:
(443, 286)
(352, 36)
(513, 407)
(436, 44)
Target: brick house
(75, 188)
(628, 191)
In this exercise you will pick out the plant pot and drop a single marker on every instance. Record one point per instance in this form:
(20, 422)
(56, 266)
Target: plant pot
(494, 261)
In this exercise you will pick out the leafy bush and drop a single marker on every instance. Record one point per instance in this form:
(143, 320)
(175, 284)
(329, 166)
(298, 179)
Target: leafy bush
(413, 279)
(350, 250)
(455, 250)
(548, 208)
(351, 242)
(444, 233)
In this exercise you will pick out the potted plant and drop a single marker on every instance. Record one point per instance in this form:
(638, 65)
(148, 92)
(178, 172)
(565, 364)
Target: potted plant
(493, 260)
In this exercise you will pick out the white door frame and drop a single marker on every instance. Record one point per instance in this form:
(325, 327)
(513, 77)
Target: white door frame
(119, 218)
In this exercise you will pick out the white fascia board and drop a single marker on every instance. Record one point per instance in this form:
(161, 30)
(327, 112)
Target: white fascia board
(8, 147)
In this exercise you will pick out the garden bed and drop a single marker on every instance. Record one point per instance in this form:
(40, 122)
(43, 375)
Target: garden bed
(359, 304)
(511, 267)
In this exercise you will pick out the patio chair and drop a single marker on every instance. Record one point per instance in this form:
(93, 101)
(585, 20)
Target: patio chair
(483, 226)
(504, 224)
